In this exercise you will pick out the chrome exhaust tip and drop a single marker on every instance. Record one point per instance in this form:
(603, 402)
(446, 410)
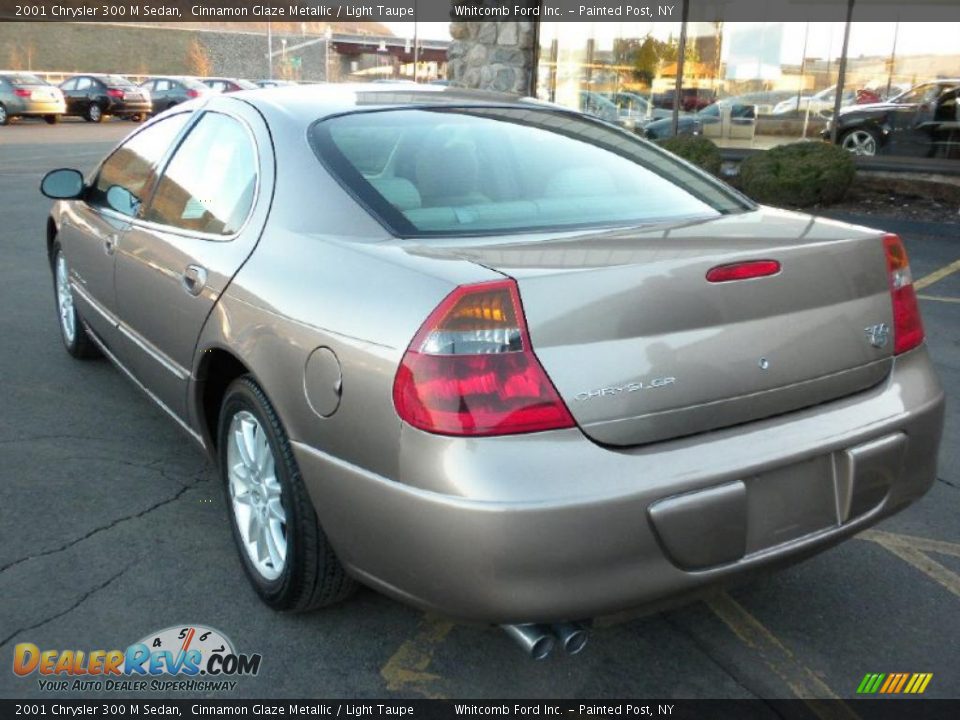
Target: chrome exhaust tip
(537, 641)
(572, 636)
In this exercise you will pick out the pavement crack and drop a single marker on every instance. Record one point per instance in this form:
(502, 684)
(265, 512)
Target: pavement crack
(197, 478)
(954, 485)
(79, 601)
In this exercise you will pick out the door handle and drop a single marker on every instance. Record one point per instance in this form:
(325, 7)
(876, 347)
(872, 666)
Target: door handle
(110, 244)
(194, 279)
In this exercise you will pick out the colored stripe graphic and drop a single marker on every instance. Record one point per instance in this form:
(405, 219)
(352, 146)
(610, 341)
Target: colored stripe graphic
(894, 683)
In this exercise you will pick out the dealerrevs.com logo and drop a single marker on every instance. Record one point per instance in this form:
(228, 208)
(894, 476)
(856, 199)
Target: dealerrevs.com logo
(188, 658)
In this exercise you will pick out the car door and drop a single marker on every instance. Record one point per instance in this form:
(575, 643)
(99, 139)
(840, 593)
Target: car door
(201, 224)
(91, 229)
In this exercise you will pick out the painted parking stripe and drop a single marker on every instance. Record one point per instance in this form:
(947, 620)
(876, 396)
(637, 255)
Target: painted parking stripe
(937, 275)
(802, 681)
(938, 298)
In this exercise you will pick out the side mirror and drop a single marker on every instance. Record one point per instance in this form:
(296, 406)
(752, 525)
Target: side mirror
(63, 184)
(123, 201)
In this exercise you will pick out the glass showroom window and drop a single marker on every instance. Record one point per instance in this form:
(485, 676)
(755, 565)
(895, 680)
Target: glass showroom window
(624, 73)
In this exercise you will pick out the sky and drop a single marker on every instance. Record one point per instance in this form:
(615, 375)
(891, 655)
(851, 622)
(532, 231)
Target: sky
(426, 30)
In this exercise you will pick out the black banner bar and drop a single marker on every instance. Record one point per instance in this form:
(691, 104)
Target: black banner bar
(621, 11)
(110, 708)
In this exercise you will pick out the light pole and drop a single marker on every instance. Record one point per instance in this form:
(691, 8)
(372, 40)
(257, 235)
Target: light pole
(269, 51)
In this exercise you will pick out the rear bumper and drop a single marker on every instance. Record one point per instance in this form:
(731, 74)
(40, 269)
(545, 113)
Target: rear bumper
(128, 107)
(36, 107)
(551, 526)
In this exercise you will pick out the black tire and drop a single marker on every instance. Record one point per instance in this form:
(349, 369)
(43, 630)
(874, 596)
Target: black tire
(51, 119)
(80, 345)
(4, 118)
(312, 576)
(137, 118)
(94, 113)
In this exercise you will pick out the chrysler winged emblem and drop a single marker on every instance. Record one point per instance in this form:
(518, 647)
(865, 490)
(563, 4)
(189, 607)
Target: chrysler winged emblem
(878, 334)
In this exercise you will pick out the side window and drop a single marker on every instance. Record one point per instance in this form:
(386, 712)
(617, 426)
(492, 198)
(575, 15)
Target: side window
(83, 83)
(69, 85)
(209, 184)
(122, 180)
(163, 85)
(148, 85)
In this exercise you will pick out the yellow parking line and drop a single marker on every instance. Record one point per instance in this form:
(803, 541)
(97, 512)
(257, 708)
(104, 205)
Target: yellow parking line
(911, 541)
(407, 667)
(938, 298)
(802, 681)
(937, 275)
(927, 565)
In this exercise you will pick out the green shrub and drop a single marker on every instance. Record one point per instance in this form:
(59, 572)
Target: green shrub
(798, 175)
(695, 149)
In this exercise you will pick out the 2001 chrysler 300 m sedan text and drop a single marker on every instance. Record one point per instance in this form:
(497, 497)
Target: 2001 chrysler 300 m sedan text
(492, 357)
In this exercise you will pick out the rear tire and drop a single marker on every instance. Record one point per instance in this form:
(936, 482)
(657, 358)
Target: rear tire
(94, 113)
(72, 330)
(284, 551)
(4, 118)
(51, 119)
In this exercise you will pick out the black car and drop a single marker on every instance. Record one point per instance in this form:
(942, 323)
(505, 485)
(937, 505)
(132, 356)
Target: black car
(924, 121)
(169, 91)
(94, 97)
(692, 123)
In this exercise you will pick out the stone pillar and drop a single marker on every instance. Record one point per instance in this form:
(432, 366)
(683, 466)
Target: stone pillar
(492, 55)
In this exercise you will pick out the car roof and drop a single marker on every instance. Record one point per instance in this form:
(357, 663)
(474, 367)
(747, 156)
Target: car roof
(322, 100)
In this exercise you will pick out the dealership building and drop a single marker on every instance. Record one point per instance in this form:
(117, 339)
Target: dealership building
(745, 84)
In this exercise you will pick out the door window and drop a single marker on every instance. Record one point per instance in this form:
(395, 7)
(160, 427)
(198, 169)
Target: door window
(69, 85)
(84, 84)
(132, 164)
(163, 85)
(209, 184)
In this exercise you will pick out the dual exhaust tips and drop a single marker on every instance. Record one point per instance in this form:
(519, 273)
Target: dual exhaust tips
(538, 641)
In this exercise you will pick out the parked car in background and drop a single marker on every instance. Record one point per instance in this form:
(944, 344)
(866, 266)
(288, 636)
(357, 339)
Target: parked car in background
(634, 109)
(492, 357)
(598, 105)
(26, 95)
(691, 99)
(167, 92)
(273, 83)
(821, 104)
(923, 121)
(228, 85)
(693, 123)
(95, 97)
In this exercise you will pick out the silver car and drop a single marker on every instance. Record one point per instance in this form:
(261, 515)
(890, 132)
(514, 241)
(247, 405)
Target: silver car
(492, 357)
(26, 95)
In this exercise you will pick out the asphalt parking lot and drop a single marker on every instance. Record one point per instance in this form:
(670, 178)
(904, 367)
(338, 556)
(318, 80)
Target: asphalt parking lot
(113, 526)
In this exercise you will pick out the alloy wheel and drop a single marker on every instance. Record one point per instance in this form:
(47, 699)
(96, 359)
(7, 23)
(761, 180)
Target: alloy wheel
(255, 495)
(3, 115)
(68, 315)
(95, 113)
(860, 142)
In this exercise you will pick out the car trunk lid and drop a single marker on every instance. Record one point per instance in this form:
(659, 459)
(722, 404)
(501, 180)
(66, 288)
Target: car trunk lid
(642, 347)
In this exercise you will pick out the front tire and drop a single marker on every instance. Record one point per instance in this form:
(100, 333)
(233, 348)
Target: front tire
(72, 331)
(4, 118)
(284, 551)
(51, 119)
(94, 113)
(860, 141)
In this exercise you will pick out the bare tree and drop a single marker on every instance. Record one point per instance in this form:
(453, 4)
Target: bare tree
(198, 61)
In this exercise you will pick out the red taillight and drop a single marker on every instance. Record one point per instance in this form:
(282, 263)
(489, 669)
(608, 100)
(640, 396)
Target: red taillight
(22, 92)
(470, 370)
(115, 94)
(193, 93)
(743, 270)
(907, 325)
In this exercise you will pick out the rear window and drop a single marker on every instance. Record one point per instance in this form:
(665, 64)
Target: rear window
(117, 81)
(25, 79)
(443, 171)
